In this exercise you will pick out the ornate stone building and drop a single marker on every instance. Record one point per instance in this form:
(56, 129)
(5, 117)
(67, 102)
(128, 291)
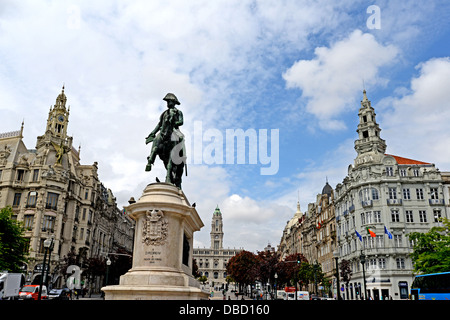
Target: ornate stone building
(212, 262)
(381, 200)
(326, 230)
(56, 196)
(289, 243)
(313, 233)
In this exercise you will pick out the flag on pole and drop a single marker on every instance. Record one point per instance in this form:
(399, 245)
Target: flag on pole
(358, 235)
(387, 232)
(372, 234)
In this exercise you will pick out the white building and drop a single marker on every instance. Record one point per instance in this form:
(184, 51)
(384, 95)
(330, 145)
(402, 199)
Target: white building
(212, 262)
(384, 192)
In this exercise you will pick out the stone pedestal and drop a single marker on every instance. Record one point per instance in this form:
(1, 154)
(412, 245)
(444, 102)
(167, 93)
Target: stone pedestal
(163, 248)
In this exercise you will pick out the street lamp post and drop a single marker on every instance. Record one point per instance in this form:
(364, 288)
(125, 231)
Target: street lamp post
(276, 277)
(108, 263)
(47, 244)
(362, 258)
(338, 289)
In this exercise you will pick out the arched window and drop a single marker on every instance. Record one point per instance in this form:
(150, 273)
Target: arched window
(368, 194)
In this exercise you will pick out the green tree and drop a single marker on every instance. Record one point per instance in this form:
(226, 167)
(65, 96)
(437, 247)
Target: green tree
(431, 251)
(305, 274)
(288, 270)
(13, 244)
(311, 273)
(203, 279)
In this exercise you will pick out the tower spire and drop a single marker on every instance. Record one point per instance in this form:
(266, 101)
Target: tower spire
(216, 230)
(369, 140)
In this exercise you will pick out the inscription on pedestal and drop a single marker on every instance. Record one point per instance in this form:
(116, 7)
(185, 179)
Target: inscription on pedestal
(155, 256)
(155, 228)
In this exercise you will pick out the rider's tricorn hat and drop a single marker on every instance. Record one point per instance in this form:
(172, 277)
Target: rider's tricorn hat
(171, 96)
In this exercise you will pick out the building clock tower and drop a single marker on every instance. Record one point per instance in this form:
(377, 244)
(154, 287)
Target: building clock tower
(216, 230)
(55, 139)
(58, 117)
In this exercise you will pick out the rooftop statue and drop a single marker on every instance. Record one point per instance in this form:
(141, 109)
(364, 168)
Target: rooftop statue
(168, 142)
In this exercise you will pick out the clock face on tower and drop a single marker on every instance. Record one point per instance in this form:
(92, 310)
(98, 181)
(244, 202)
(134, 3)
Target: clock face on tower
(60, 118)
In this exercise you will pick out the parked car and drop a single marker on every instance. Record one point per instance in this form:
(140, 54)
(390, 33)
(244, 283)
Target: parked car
(31, 292)
(59, 294)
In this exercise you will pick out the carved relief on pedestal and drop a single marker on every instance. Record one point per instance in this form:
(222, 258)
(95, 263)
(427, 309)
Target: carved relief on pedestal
(155, 228)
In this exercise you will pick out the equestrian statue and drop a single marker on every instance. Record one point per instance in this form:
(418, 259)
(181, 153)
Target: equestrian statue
(168, 142)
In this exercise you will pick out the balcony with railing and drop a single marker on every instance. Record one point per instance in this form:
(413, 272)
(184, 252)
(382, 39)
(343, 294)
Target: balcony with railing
(394, 202)
(366, 203)
(436, 202)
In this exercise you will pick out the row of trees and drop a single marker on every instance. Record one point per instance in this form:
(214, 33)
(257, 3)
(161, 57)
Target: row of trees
(246, 268)
(431, 254)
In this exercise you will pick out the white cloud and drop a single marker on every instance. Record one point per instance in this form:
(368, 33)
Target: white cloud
(249, 222)
(415, 124)
(119, 59)
(331, 80)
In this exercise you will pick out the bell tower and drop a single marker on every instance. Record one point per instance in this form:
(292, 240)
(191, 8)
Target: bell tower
(55, 138)
(369, 140)
(58, 117)
(216, 230)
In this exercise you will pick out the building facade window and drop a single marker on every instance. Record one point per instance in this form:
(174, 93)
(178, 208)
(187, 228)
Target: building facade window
(35, 175)
(20, 175)
(434, 193)
(16, 201)
(52, 201)
(437, 215)
(397, 240)
(422, 216)
(28, 221)
(48, 224)
(382, 263)
(400, 263)
(377, 216)
(395, 215)
(419, 194)
(406, 194)
(409, 216)
(389, 171)
(31, 201)
(392, 193)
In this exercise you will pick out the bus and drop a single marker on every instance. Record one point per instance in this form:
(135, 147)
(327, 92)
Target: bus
(433, 286)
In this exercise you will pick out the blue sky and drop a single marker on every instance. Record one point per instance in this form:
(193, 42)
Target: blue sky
(294, 66)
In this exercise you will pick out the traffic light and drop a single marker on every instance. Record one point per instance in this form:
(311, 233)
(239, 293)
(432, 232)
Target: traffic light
(298, 259)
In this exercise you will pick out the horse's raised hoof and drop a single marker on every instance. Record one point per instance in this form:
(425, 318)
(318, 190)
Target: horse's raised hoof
(148, 167)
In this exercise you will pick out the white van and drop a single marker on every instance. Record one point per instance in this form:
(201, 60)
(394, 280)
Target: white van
(10, 284)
